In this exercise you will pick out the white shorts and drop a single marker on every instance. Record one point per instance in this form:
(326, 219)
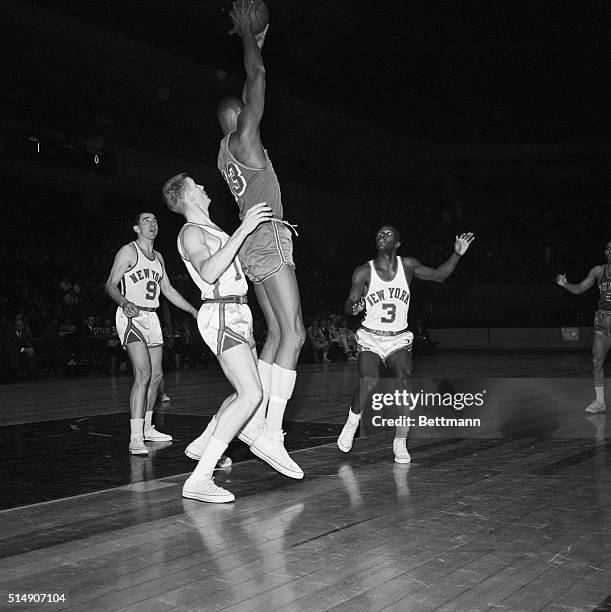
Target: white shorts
(225, 325)
(383, 346)
(143, 328)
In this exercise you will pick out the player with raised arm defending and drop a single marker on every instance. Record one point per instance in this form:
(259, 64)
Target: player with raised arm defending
(381, 287)
(601, 276)
(224, 321)
(267, 254)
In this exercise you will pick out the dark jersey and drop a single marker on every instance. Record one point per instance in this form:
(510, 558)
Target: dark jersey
(249, 186)
(604, 286)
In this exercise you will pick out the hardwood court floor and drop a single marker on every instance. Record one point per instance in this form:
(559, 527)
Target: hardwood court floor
(513, 515)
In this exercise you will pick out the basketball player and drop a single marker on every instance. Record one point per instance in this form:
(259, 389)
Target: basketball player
(224, 321)
(140, 271)
(381, 287)
(267, 254)
(601, 276)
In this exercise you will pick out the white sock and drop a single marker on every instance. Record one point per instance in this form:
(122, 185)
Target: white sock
(401, 432)
(137, 428)
(148, 420)
(212, 453)
(265, 374)
(283, 383)
(600, 394)
(353, 417)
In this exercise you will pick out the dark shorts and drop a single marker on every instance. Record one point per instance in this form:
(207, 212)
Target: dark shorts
(602, 323)
(266, 251)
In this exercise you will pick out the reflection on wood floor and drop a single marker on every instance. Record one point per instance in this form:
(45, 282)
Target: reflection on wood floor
(512, 515)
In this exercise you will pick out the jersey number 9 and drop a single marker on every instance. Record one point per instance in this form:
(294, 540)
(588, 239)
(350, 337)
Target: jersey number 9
(151, 290)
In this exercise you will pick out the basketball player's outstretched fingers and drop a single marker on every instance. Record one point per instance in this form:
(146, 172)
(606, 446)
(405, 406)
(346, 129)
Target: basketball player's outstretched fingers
(462, 243)
(240, 15)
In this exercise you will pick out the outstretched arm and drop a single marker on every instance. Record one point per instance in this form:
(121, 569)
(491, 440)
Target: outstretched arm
(439, 274)
(355, 302)
(254, 87)
(583, 286)
(197, 244)
(172, 294)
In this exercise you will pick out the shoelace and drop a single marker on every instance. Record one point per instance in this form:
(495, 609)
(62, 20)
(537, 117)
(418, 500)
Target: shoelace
(279, 437)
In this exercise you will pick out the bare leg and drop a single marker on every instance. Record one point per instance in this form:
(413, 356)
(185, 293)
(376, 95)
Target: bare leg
(150, 433)
(283, 300)
(156, 355)
(279, 300)
(600, 348)
(240, 367)
(141, 364)
(272, 340)
(400, 366)
(369, 365)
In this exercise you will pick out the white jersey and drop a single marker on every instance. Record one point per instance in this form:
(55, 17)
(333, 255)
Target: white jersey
(387, 302)
(141, 284)
(231, 281)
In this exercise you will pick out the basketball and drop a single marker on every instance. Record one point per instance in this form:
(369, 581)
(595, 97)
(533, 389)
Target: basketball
(259, 16)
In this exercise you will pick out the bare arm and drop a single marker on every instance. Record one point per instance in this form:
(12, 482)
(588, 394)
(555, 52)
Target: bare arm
(439, 274)
(197, 244)
(125, 259)
(168, 290)
(578, 288)
(355, 302)
(254, 87)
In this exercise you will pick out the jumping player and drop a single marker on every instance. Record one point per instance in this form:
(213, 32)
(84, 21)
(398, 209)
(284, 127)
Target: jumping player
(601, 276)
(267, 254)
(381, 287)
(140, 272)
(224, 321)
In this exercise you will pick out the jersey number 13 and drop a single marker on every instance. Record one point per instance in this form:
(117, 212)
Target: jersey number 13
(235, 180)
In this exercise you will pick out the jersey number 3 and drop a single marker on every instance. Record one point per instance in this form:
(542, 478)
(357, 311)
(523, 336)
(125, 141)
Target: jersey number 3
(234, 179)
(390, 312)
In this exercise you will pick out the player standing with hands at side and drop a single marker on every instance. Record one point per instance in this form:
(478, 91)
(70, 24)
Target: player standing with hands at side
(137, 277)
(267, 254)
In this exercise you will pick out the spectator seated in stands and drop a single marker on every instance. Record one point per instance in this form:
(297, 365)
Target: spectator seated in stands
(116, 359)
(66, 327)
(65, 285)
(19, 348)
(319, 344)
(341, 336)
(91, 348)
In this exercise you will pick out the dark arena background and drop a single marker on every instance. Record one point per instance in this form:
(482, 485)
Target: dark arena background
(437, 118)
